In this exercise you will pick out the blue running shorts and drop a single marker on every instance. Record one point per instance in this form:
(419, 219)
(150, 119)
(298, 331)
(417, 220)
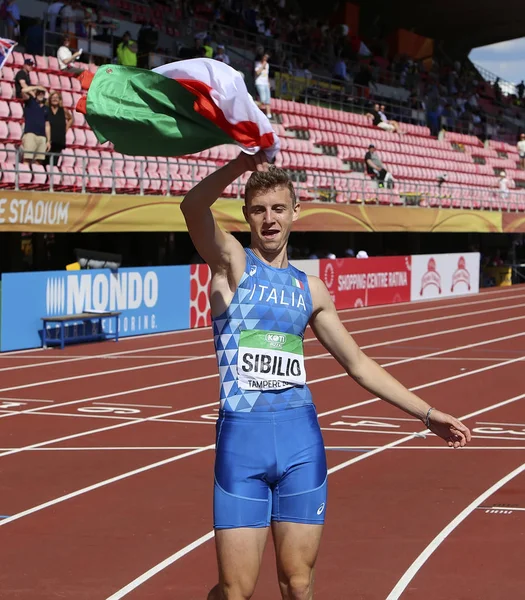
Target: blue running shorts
(269, 466)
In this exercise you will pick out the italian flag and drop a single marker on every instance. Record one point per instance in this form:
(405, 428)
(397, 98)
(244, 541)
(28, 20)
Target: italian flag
(298, 284)
(177, 109)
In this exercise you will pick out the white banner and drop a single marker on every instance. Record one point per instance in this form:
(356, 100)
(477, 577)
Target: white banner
(442, 275)
(310, 267)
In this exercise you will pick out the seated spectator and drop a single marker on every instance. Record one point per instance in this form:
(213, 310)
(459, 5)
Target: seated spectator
(375, 167)
(521, 150)
(384, 119)
(36, 139)
(127, 51)
(221, 55)
(22, 80)
(66, 58)
(379, 120)
(60, 120)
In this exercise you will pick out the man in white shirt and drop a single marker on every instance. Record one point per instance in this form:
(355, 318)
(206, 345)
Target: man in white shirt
(521, 150)
(66, 58)
(262, 84)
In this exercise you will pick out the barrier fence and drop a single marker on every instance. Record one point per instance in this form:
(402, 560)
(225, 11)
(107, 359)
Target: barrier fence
(174, 177)
(160, 299)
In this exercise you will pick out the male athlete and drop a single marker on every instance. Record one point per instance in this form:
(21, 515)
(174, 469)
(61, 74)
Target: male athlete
(270, 465)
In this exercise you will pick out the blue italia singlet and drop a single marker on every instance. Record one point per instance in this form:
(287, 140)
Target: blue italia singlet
(258, 340)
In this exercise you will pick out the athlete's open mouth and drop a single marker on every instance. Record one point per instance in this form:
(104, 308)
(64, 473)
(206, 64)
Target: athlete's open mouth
(270, 233)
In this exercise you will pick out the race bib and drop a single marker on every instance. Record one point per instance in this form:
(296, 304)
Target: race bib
(270, 360)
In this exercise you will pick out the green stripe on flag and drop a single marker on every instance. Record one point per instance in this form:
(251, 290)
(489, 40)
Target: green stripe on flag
(146, 114)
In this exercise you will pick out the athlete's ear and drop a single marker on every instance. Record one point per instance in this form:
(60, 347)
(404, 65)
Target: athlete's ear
(296, 211)
(245, 212)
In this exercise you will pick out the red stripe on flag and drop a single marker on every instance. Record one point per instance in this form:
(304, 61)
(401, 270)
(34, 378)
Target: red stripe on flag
(245, 132)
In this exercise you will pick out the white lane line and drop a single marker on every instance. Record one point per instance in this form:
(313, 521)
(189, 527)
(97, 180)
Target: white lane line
(424, 385)
(100, 484)
(212, 356)
(208, 340)
(427, 447)
(119, 425)
(411, 572)
(25, 400)
(132, 405)
(106, 448)
(203, 539)
(133, 421)
(501, 424)
(104, 429)
(342, 448)
(160, 567)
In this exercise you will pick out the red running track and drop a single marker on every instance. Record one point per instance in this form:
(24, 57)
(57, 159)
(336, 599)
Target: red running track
(106, 458)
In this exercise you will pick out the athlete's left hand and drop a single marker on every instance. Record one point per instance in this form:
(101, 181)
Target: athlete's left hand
(449, 428)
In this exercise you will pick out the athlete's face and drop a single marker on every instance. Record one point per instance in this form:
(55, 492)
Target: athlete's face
(270, 216)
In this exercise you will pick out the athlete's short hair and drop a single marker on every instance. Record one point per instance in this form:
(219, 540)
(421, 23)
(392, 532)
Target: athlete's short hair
(263, 181)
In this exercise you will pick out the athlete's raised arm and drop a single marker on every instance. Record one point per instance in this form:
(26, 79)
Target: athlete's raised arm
(329, 330)
(217, 247)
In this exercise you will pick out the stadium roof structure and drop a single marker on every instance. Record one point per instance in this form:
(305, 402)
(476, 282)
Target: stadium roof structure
(460, 24)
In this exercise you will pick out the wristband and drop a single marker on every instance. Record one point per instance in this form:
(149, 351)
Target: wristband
(427, 418)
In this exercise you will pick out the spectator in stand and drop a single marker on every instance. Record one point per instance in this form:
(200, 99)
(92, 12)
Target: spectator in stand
(22, 80)
(36, 140)
(395, 124)
(127, 51)
(379, 120)
(221, 55)
(60, 121)
(503, 185)
(375, 167)
(262, 83)
(11, 16)
(66, 58)
(521, 150)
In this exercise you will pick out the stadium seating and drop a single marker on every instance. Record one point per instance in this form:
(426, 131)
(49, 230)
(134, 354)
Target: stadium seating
(322, 148)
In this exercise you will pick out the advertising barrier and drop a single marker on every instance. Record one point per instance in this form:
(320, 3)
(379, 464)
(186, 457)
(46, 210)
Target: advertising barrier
(443, 275)
(151, 300)
(354, 282)
(160, 299)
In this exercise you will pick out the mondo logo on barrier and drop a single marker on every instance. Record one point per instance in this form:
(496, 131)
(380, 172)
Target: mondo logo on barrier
(442, 275)
(150, 300)
(354, 282)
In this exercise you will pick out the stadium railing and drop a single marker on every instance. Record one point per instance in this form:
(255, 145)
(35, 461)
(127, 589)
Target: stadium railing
(175, 177)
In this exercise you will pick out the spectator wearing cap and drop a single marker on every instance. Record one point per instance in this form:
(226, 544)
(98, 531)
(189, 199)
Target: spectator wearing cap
(503, 185)
(221, 55)
(127, 51)
(66, 58)
(36, 139)
(22, 80)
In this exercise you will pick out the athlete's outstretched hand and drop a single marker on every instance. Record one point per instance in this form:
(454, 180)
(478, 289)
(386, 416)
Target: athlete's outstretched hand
(253, 162)
(449, 428)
